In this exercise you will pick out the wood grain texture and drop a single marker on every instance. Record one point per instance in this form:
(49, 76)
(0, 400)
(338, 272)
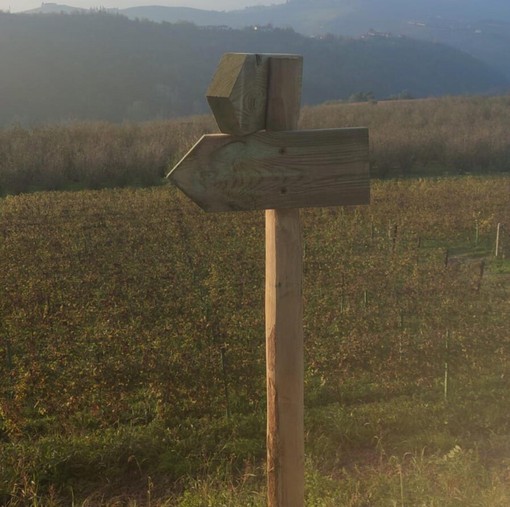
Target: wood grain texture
(284, 359)
(269, 170)
(284, 92)
(237, 94)
(284, 302)
(280, 170)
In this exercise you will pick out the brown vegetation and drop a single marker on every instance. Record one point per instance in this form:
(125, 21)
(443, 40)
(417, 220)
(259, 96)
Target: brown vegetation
(93, 155)
(425, 137)
(435, 136)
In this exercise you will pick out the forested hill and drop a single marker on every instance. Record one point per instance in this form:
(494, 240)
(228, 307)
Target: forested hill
(103, 66)
(478, 27)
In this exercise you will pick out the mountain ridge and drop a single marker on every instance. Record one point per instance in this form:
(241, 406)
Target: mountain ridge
(480, 28)
(101, 66)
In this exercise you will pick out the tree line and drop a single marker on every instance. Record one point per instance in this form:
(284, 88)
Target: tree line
(103, 66)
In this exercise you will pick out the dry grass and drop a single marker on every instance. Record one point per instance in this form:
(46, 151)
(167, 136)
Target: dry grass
(425, 137)
(93, 155)
(453, 134)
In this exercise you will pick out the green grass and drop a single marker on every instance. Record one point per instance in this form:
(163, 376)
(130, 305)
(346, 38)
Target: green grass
(501, 266)
(359, 453)
(409, 450)
(118, 306)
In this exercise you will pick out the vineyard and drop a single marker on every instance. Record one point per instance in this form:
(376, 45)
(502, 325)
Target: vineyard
(132, 349)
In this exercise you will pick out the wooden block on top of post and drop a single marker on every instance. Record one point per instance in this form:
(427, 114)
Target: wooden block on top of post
(237, 94)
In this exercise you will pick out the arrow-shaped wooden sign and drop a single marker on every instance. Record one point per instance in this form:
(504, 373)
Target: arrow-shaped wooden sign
(261, 162)
(273, 170)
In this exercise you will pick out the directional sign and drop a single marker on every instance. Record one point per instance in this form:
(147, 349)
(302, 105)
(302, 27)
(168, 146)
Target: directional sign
(274, 170)
(262, 162)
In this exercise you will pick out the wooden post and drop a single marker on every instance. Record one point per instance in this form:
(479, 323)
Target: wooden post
(498, 236)
(284, 313)
(446, 361)
(262, 162)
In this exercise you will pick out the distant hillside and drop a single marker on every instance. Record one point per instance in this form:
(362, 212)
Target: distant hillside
(479, 27)
(54, 8)
(102, 66)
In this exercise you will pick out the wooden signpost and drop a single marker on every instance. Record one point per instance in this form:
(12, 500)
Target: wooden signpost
(262, 162)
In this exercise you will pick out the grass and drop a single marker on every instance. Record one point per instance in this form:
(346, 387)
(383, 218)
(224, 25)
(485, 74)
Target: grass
(501, 266)
(426, 137)
(119, 308)
(408, 449)
(407, 138)
(79, 156)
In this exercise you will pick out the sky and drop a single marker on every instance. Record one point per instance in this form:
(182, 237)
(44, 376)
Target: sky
(23, 5)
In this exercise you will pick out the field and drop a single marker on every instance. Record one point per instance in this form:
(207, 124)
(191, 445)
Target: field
(455, 135)
(132, 344)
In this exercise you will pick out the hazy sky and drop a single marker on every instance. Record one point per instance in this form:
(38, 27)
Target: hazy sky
(23, 5)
